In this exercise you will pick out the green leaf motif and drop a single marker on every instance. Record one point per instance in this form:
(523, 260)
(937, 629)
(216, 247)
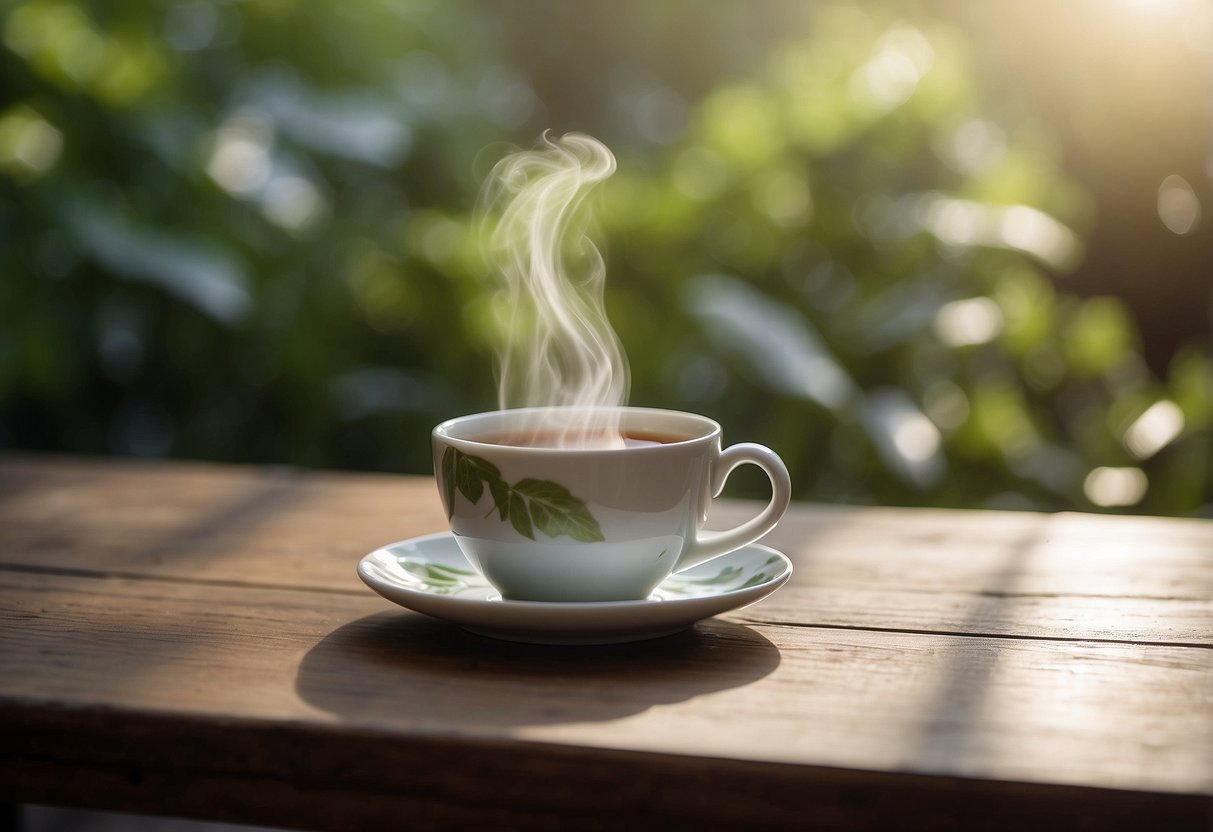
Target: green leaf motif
(501, 497)
(468, 484)
(440, 578)
(482, 469)
(555, 511)
(729, 573)
(758, 579)
(468, 477)
(728, 579)
(448, 480)
(529, 504)
(520, 517)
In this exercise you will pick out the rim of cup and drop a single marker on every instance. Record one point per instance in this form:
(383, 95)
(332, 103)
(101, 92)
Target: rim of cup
(452, 430)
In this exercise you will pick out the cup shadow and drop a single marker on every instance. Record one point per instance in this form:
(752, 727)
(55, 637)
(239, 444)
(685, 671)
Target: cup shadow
(407, 669)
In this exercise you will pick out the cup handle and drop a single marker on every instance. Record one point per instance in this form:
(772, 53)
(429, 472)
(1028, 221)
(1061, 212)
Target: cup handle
(710, 544)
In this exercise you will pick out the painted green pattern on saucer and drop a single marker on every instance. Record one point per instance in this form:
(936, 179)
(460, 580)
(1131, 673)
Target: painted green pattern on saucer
(441, 578)
(431, 575)
(444, 579)
(728, 578)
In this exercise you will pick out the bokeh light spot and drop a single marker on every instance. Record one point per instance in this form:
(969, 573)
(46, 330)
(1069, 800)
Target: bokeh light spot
(1113, 487)
(1155, 429)
(293, 203)
(240, 159)
(971, 321)
(889, 79)
(1178, 205)
(29, 145)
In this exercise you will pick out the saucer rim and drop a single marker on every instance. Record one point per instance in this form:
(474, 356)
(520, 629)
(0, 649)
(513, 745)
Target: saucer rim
(565, 623)
(575, 607)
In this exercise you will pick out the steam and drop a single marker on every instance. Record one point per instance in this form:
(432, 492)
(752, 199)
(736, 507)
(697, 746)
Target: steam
(557, 347)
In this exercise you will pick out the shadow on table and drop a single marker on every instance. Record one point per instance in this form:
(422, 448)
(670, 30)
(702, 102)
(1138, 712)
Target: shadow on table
(408, 669)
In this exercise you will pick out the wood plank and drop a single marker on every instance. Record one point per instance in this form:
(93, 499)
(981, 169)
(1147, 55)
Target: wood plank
(321, 781)
(1002, 552)
(1098, 715)
(1056, 617)
(191, 520)
(191, 638)
(996, 573)
(196, 520)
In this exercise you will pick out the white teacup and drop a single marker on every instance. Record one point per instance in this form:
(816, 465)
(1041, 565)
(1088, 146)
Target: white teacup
(606, 524)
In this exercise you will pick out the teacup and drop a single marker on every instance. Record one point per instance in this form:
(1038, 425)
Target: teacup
(545, 523)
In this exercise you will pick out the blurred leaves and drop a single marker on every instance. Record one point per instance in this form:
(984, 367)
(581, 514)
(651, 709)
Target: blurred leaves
(868, 255)
(243, 231)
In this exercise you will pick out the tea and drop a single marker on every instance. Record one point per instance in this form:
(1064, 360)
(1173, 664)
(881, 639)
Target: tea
(581, 439)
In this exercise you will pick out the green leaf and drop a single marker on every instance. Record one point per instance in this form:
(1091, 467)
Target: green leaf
(448, 480)
(729, 573)
(444, 569)
(757, 580)
(529, 504)
(501, 497)
(555, 511)
(438, 576)
(516, 508)
(467, 479)
(468, 474)
(482, 468)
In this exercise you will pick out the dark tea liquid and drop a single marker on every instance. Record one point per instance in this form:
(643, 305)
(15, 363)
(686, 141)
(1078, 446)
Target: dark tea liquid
(573, 439)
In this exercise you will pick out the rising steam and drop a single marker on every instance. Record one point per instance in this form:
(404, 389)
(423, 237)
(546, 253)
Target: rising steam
(557, 346)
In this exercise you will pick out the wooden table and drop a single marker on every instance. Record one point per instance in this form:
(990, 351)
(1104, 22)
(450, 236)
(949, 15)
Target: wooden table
(192, 640)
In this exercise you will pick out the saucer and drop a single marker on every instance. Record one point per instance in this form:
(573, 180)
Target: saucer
(431, 575)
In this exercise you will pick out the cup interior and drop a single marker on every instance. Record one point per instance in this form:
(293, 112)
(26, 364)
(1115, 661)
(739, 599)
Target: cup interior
(520, 427)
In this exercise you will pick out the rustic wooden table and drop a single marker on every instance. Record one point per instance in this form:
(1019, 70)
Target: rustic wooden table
(193, 640)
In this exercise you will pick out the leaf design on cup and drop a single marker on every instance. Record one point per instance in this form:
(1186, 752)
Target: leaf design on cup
(529, 504)
(555, 511)
(467, 474)
(515, 508)
(501, 497)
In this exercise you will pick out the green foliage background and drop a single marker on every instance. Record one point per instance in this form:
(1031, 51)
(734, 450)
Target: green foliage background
(242, 231)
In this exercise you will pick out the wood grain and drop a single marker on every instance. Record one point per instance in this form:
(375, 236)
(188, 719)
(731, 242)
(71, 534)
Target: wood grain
(192, 639)
(957, 705)
(994, 573)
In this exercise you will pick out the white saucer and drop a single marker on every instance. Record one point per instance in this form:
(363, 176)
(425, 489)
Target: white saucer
(430, 575)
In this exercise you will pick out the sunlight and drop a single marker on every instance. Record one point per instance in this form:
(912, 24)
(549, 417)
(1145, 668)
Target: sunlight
(240, 161)
(29, 145)
(1155, 429)
(970, 321)
(966, 223)
(888, 80)
(916, 437)
(1178, 205)
(1031, 230)
(1159, 7)
(1111, 487)
(292, 202)
(904, 436)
